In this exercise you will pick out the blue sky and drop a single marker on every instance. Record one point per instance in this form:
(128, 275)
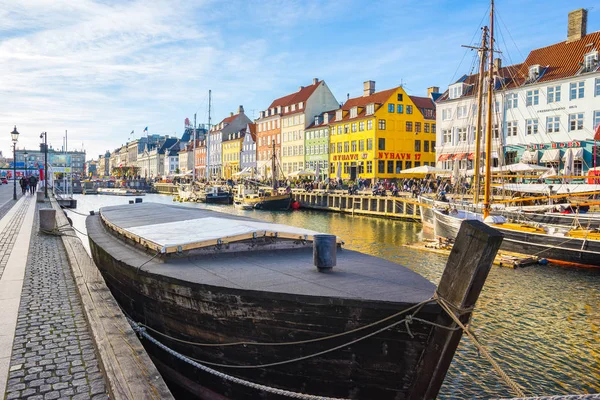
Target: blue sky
(101, 69)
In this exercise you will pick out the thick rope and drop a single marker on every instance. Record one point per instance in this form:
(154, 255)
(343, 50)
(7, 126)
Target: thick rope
(513, 385)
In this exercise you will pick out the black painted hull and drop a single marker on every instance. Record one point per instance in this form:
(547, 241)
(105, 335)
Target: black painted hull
(221, 198)
(560, 249)
(380, 367)
(274, 204)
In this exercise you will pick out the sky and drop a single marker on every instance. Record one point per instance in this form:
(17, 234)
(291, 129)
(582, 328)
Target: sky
(101, 69)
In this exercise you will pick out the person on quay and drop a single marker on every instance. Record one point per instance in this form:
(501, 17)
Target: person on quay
(23, 185)
(32, 184)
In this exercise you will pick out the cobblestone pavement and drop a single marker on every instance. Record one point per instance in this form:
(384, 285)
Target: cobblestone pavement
(53, 355)
(9, 234)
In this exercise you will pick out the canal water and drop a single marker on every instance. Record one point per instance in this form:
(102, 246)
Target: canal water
(541, 323)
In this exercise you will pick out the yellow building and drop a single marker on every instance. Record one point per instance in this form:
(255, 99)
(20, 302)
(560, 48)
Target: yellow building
(231, 149)
(379, 134)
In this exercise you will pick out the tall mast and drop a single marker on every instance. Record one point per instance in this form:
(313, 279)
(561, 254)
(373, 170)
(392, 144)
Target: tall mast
(194, 153)
(488, 130)
(478, 126)
(273, 166)
(208, 141)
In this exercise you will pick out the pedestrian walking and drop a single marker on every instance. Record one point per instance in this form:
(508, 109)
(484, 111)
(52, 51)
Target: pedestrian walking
(32, 184)
(23, 186)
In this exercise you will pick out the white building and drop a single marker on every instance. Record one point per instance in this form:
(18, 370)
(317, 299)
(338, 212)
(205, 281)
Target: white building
(546, 107)
(171, 159)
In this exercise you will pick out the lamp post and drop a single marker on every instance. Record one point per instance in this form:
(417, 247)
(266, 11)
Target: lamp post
(45, 134)
(14, 136)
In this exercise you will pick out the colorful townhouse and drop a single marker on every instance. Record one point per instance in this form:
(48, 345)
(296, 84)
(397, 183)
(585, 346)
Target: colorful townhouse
(379, 134)
(232, 147)
(268, 138)
(200, 159)
(219, 133)
(298, 112)
(316, 144)
(248, 155)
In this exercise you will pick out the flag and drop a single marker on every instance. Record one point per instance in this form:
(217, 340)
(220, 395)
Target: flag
(146, 130)
(597, 133)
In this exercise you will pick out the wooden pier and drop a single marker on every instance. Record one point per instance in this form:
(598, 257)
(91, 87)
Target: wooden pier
(360, 204)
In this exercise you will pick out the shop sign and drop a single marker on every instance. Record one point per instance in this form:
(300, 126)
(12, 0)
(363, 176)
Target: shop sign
(345, 157)
(562, 145)
(382, 155)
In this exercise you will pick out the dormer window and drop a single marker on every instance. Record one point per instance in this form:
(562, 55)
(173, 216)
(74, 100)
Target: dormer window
(353, 112)
(293, 107)
(286, 109)
(534, 73)
(370, 108)
(455, 91)
(338, 115)
(301, 105)
(590, 61)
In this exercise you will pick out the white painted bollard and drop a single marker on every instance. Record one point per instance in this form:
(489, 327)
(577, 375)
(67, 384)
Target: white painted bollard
(40, 197)
(47, 219)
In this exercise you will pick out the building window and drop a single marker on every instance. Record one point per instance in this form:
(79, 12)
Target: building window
(408, 164)
(447, 114)
(511, 128)
(596, 119)
(590, 61)
(409, 109)
(381, 124)
(455, 92)
(391, 107)
(361, 126)
(462, 134)
(417, 145)
(433, 146)
(361, 145)
(533, 97)
(339, 129)
(339, 147)
(426, 127)
(512, 101)
(426, 146)
(399, 96)
(390, 167)
(381, 144)
(446, 136)
(495, 131)
(354, 127)
(370, 109)
(532, 126)
(370, 124)
(370, 144)
(597, 87)
(461, 112)
(381, 166)
(353, 112)
(346, 128)
(353, 145)
(417, 127)
(576, 90)
(432, 128)
(576, 122)
(400, 108)
(552, 124)
(409, 126)
(553, 94)
(346, 147)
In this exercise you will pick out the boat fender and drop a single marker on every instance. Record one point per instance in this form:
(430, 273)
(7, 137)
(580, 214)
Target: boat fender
(324, 252)
(495, 219)
(542, 261)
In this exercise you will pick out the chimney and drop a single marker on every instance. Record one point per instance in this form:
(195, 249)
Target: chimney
(301, 87)
(326, 118)
(368, 88)
(231, 114)
(315, 81)
(577, 25)
(431, 90)
(240, 109)
(497, 64)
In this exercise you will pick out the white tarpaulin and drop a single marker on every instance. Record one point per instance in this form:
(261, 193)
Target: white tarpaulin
(521, 167)
(198, 230)
(556, 188)
(423, 169)
(576, 154)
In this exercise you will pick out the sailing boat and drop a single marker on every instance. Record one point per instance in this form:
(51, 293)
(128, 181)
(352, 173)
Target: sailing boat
(562, 245)
(263, 198)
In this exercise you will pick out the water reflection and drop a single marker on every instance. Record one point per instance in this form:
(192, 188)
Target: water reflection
(541, 323)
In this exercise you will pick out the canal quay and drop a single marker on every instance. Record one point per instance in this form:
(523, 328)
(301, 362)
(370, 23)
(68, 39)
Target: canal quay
(540, 323)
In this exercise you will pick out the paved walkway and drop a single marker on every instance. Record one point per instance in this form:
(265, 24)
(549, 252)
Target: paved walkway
(46, 351)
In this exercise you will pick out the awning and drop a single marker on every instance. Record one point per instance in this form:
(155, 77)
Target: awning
(530, 156)
(551, 156)
(577, 154)
(444, 157)
(459, 156)
(471, 156)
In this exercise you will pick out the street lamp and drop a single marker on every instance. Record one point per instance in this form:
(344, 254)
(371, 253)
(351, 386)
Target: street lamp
(14, 136)
(45, 163)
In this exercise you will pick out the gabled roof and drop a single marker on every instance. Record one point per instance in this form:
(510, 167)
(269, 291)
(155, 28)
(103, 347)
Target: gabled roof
(423, 104)
(508, 78)
(322, 120)
(362, 101)
(563, 59)
(301, 96)
(251, 129)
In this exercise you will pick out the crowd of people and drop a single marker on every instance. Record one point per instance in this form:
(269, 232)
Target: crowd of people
(28, 184)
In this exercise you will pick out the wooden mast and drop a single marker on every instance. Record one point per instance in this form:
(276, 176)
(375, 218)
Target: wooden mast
(273, 166)
(479, 125)
(488, 128)
(208, 141)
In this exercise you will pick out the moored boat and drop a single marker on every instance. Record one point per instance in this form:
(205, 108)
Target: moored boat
(244, 297)
(214, 194)
(120, 192)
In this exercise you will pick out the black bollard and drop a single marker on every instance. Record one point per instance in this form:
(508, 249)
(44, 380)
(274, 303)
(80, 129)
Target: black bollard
(138, 199)
(130, 201)
(324, 251)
